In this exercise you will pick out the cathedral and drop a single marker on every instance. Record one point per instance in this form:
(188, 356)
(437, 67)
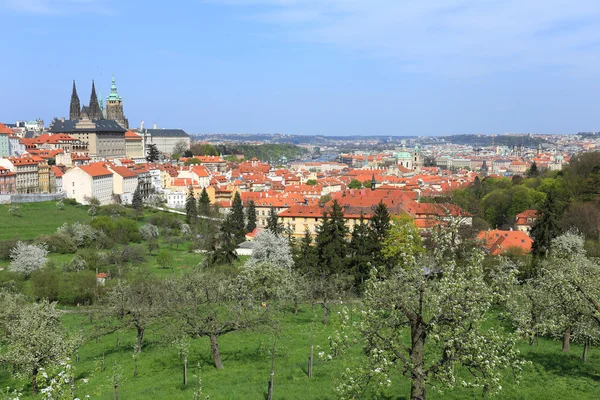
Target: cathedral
(95, 110)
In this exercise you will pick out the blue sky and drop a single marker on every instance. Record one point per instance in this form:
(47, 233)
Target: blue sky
(389, 67)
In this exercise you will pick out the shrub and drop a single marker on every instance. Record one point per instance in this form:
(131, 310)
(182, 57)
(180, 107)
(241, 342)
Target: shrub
(126, 231)
(5, 248)
(45, 283)
(78, 288)
(103, 223)
(58, 243)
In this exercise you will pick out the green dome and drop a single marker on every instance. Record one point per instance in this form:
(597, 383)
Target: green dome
(403, 154)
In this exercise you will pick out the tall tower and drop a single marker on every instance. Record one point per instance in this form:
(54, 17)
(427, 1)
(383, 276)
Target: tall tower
(94, 108)
(114, 106)
(75, 105)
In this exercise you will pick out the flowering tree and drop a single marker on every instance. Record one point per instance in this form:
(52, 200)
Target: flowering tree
(35, 338)
(272, 248)
(149, 232)
(441, 300)
(27, 258)
(82, 234)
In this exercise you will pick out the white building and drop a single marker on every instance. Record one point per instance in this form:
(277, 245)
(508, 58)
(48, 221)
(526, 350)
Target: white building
(125, 182)
(176, 199)
(86, 181)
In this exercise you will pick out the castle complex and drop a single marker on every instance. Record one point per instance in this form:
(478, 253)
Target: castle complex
(95, 110)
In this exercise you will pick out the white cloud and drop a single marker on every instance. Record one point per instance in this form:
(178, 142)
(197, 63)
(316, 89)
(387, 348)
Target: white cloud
(55, 7)
(458, 37)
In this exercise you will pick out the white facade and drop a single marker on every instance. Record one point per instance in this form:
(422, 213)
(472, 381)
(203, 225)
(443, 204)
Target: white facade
(80, 185)
(176, 199)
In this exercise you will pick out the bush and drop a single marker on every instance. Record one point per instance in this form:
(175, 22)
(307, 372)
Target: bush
(45, 283)
(58, 243)
(103, 223)
(165, 259)
(71, 202)
(126, 231)
(78, 288)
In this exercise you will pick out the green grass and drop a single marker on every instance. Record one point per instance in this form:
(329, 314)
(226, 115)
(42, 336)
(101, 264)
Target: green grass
(246, 358)
(38, 219)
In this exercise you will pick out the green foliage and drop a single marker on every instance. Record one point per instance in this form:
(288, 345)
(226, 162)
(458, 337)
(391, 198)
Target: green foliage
(237, 218)
(546, 227)
(264, 152)
(355, 184)
(137, 203)
(251, 216)
(199, 149)
(204, 203)
(311, 182)
(273, 222)
(191, 211)
(331, 241)
(192, 161)
(153, 153)
(165, 259)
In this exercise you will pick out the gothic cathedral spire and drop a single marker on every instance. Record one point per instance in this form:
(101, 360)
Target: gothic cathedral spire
(75, 105)
(94, 108)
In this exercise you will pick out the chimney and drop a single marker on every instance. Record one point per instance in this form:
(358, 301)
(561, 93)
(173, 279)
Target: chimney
(62, 119)
(155, 125)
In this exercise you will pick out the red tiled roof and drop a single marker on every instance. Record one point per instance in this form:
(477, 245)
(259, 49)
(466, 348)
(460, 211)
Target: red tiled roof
(95, 170)
(5, 130)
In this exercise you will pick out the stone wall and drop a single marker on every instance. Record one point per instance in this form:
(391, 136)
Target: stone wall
(31, 198)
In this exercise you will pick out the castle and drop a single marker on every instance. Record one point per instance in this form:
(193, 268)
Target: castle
(95, 110)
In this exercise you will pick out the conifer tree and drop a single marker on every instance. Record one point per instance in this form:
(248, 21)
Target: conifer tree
(533, 171)
(331, 240)
(137, 201)
(273, 223)
(251, 216)
(379, 227)
(191, 213)
(305, 255)
(546, 227)
(153, 153)
(237, 217)
(204, 203)
(361, 254)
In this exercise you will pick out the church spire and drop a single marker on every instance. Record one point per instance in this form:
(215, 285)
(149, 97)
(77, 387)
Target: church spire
(113, 96)
(95, 112)
(75, 105)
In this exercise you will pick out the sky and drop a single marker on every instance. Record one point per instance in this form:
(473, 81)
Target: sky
(330, 67)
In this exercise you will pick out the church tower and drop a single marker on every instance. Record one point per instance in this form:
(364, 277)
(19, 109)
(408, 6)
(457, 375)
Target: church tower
(75, 105)
(94, 108)
(114, 106)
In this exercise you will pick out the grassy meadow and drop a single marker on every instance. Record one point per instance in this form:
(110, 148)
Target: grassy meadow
(246, 355)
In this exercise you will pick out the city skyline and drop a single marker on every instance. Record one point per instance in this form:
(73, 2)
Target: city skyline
(302, 67)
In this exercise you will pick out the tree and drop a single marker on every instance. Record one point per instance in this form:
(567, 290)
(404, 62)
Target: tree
(209, 302)
(273, 223)
(237, 217)
(153, 153)
(165, 259)
(442, 299)
(180, 147)
(546, 227)
(14, 210)
(137, 203)
(222, 246)
(533, 171)
(379, 226)
(27, 258)
(271, 248)
(149, 232)
(361, 252)
(136, 304)
(191, 212)
(251, 216)
(204, 203)
(355, 184)
(311, 182)
(331, 240)
(35, 337)
(305, 255)
(119, 256)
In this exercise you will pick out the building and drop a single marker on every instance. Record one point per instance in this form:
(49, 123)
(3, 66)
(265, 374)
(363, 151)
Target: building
(134, 147)
(114, 106)
(165, 139)
(89, 181)
(8, 181)
(125, 182)
(4, 140)
(26, 170)
(91, 112)
(525, 221)
(58, 174)
(498, 241)
(46, 178)
(103, 138)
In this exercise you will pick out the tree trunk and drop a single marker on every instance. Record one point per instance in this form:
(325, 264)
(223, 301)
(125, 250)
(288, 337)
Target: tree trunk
(116, 390)
(118, 340)
(272, 378)
(214, 347)
(532, 339)
(585, 351)
(295, 305)
(102, 370)
(34, 374)
(566, 346)
(310, 361)
(140, 337)
(185, 372)
(417, 357)
(325, 313)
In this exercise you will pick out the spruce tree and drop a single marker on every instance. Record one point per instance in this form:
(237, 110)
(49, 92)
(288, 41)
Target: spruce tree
(204, 203)
(273, 223)
(331, 241)
(546, 227)
(305, 255)
(153, 153)
(361, 254)
(191, 212)
(137, 203)
(379, 227)
(251, 216)
(237, 217)
(533, 171)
